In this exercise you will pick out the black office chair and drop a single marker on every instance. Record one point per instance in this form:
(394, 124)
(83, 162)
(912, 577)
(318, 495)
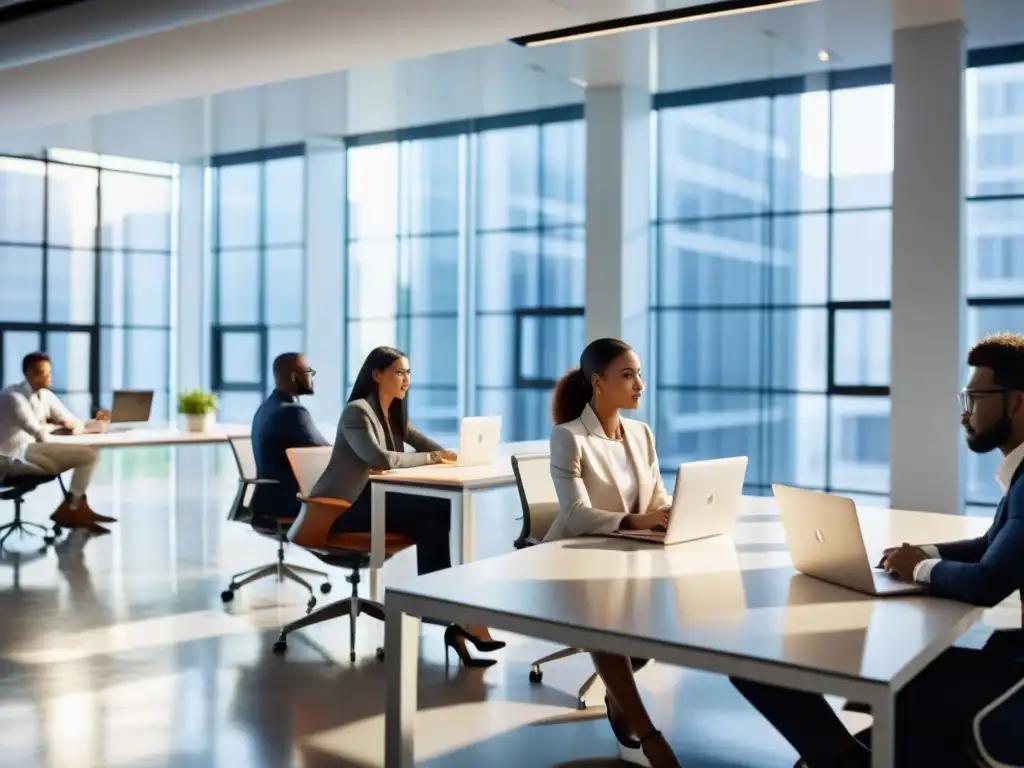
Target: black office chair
(15, 489)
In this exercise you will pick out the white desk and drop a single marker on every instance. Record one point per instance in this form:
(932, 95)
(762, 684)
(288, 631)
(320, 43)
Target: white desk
(459, 485)
(730, 605)
(145, 437)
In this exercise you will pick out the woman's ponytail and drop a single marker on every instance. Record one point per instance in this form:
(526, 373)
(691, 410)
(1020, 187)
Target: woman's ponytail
(572, 394)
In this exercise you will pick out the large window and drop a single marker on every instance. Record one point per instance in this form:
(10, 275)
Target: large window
(86, 263)
(466, 251)
(259, 273)
(770, 285)
(995, 228)
(529, 270)
(405, 219)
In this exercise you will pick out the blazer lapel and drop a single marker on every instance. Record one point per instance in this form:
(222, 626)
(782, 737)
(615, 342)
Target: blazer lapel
(372, 405)
(644, 486)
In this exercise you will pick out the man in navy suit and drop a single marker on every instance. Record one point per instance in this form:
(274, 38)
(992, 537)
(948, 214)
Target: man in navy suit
(934, 712)
(282, 422)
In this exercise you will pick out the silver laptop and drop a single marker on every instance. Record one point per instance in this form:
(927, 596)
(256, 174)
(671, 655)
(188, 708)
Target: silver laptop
(705, 503)
(130, 407)
(825, 541)
(478, 440)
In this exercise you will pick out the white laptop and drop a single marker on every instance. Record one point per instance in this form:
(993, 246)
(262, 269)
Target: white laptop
(825, 541)
(478, 441)
(705, 503)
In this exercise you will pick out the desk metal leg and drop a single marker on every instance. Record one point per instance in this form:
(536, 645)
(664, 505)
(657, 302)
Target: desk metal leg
(468, 527)
(883, 731)
(401, 653)
(378, 501)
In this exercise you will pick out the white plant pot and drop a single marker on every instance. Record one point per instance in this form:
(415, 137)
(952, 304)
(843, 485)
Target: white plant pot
(200, 422)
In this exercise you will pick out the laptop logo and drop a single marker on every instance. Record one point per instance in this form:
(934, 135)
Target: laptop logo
(819, 537)
(711, 499)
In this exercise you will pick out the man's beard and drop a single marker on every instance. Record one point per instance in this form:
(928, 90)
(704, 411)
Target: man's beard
(991, 438)
(303, 389)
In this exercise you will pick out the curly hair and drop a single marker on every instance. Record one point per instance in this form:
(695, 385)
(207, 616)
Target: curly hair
(1004, 354)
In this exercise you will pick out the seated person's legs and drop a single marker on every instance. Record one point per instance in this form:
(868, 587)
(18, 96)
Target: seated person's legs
(626, 712)
(54, 459)
(933, 712)
(807, 722)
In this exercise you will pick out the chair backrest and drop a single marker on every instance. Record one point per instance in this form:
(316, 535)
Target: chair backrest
(308, 464)
(536, 494)
(245, 457)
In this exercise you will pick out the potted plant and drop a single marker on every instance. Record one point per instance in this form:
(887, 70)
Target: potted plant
(199, 408)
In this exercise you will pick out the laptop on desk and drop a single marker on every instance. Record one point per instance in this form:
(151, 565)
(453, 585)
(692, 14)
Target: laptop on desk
(825, 541)
(705, 503)
(478, 441)
(130, 408)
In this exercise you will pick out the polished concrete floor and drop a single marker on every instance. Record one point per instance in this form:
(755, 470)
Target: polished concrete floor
(117, 651)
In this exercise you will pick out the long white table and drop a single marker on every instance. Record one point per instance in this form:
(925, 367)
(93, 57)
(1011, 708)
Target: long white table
(730, 605)
(459, 485)
(144, 437)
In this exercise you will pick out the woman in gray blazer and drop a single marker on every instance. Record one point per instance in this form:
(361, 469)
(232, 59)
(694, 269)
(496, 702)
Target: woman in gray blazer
(372, 434)
(606, 475)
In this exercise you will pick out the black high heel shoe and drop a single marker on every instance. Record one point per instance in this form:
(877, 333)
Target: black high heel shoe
(484, 646)
(451, 637)
(620, 729)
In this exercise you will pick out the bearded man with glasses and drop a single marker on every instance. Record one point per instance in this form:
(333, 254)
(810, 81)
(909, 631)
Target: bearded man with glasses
(935, 712)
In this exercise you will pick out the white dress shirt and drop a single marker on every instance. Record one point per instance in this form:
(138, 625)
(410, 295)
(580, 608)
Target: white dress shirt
(27, 417)
(625, 472)
(1004, 475)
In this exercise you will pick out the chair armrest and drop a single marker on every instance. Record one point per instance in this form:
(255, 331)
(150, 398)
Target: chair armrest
(312, 527)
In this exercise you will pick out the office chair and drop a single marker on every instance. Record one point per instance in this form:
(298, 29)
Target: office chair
(15, 489)
(540, 508)
(312, 532)
(245, 459)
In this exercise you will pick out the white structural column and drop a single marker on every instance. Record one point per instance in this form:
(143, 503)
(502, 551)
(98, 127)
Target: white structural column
(325, 289)
(193, 299)
(927, 286)
(618, 214)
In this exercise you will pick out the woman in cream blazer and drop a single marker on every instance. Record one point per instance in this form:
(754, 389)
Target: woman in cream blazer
(606, 474)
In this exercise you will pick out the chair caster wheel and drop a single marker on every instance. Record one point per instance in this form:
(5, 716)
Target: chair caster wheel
(536, 675)
(352, 656)
(57, 530)
(227, 595)
(49, 538)
(325, 588)
(380, 654)
(280, 646)
(581, 704)
(311, 605)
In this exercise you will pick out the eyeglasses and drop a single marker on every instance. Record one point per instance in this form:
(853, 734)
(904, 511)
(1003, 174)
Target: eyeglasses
(311, 372)
(967, 397)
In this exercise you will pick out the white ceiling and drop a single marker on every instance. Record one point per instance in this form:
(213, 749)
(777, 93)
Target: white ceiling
(395, 90)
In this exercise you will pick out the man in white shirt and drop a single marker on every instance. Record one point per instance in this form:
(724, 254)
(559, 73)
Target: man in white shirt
(29, 414)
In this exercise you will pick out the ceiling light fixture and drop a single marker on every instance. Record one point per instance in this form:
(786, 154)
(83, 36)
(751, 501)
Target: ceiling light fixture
(824, 55)
(652, 20)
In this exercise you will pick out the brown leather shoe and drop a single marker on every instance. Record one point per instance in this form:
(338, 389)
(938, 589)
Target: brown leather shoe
(67, 517)
(95, 516)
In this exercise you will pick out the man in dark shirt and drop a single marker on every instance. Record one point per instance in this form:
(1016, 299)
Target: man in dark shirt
(279, 424)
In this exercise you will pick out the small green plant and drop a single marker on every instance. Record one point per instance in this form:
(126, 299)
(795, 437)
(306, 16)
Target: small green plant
(196, 402)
